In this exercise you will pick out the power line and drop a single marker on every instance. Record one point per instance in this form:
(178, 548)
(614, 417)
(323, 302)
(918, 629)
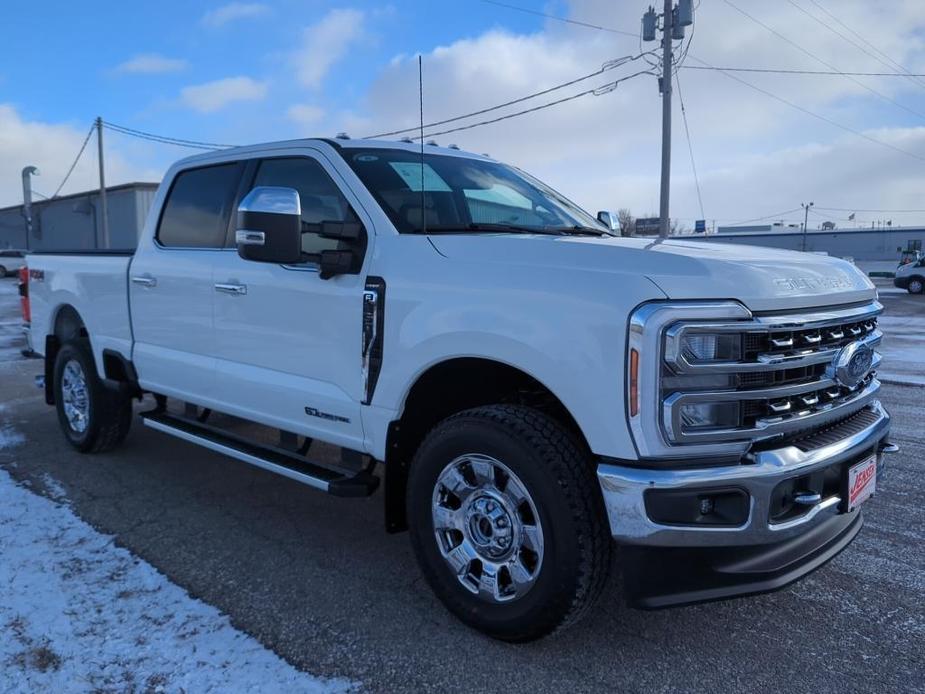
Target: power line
(74, 163)
(776, 215)
(820, 60)
(609, 65)
(597, 91)
(783, 71)
(890, 62)
(690, 147)
(560, 19)
(818, 116)
(863, 209)
(164, 139)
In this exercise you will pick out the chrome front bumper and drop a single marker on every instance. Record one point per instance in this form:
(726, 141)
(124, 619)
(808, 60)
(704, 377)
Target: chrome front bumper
(624, 491)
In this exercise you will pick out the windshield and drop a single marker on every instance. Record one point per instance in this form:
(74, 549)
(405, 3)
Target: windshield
(463, 195)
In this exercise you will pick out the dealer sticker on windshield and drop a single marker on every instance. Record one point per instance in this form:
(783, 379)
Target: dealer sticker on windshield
(862, 481)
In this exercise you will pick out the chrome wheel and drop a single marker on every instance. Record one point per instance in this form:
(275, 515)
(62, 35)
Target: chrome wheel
(487, 528)
(75, 396)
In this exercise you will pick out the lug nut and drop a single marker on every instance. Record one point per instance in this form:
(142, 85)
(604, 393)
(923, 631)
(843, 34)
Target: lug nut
(501, 522)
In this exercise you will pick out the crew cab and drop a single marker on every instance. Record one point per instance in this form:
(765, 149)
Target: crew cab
(529, 387)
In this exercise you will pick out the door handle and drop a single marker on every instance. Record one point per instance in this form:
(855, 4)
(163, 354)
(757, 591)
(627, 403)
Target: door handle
(231, 288)
(145, 281)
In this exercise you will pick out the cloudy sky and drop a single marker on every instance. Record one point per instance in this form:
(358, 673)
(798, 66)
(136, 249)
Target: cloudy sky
(247, 72)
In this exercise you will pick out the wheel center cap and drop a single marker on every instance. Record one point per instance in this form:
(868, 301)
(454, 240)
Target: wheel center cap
(489, 527)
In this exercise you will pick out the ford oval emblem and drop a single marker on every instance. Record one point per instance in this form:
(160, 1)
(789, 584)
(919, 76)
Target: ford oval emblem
(851, 364)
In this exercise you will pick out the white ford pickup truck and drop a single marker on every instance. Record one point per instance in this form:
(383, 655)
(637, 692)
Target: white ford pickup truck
(530, 388)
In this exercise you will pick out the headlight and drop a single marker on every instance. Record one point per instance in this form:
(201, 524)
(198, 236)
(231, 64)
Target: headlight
(702, 415)
(699, 347)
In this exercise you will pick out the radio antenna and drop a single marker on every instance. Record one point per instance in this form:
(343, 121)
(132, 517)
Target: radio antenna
(421, 103)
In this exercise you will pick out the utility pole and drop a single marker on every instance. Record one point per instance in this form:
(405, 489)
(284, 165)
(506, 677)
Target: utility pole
(104, 212)
(674, 19)
(663, 208)
(805, 221)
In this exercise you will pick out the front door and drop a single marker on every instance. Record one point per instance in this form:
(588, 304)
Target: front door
(170, 284)
(287, 342)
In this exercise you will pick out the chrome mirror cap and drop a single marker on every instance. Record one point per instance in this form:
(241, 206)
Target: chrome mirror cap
(272, 200)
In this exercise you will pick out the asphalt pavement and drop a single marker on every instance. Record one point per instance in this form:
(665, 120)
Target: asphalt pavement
(318, 580)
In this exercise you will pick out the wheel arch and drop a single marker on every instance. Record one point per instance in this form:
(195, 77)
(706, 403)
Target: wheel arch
(448, 387)
(65, 324)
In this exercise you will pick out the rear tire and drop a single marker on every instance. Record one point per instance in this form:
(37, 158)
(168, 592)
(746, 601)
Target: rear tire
(93, 418)
(507, 521)
(2, 271)
(916, 286)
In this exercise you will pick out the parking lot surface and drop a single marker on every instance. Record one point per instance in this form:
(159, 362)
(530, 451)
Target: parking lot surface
(317, 580)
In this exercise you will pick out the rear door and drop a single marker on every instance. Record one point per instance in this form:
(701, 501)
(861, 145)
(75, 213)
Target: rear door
(288, 342)
(171, 288)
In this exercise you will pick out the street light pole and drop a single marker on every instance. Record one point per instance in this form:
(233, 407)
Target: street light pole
(805, 221)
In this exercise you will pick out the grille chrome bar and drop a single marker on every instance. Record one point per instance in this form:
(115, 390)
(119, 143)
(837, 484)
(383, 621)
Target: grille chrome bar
(816, 333)
(769, 427)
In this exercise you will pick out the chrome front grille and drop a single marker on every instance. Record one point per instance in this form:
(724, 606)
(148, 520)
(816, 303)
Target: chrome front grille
(791, 343)
(723, 383)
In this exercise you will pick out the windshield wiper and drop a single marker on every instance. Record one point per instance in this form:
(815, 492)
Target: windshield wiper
(485, 226)
(579, 230)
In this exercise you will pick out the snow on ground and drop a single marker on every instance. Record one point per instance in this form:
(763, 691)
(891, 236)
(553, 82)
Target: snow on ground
(9, 437)
(79, 614)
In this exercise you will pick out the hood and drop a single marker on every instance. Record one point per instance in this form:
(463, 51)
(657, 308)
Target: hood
(764, 279)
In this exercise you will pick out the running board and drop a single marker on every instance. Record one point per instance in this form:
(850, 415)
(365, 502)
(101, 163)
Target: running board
(277, 460)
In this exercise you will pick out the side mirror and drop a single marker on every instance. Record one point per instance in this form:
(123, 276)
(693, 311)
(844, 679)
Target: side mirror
(607, 219)
(269, 228)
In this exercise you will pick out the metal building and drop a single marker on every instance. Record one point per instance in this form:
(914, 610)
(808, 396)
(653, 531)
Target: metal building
(884, 244)
(72, 222)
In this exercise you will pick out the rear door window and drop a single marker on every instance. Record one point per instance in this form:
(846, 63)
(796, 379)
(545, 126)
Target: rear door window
(198, 207)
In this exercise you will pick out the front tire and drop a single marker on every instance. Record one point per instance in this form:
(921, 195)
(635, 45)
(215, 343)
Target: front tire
(93, 418)
(507, 521)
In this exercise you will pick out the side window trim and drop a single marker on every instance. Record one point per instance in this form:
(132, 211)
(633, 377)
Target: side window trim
(157, 230)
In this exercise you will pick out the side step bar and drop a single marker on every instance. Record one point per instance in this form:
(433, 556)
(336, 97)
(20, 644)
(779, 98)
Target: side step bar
(278, 460)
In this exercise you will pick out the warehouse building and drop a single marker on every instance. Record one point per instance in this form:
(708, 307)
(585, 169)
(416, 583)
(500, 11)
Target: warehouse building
(73, 222)
(883, 244)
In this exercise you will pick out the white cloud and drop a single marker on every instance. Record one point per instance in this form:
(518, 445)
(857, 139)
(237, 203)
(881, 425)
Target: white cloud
(232, 12)
(52, 147)
(754, 155)
(212, 96)
(151, 63)
(325, 43)
(305, 114)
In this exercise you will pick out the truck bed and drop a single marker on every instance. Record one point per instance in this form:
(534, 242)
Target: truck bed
(94, 283)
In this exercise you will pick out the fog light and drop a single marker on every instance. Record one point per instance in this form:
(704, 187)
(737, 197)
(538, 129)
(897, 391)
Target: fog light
(707, 347)
(715, 506)
(702, 415)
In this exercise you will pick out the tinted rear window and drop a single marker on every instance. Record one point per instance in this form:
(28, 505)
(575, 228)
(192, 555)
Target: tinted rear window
(198, 207)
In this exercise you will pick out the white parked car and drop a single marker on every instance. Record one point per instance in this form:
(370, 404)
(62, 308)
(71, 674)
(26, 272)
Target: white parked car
(529, 387)
(911, 276)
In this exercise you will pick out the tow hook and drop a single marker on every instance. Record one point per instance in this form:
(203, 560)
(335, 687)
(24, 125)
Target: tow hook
(807, 498)
(887, 447)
